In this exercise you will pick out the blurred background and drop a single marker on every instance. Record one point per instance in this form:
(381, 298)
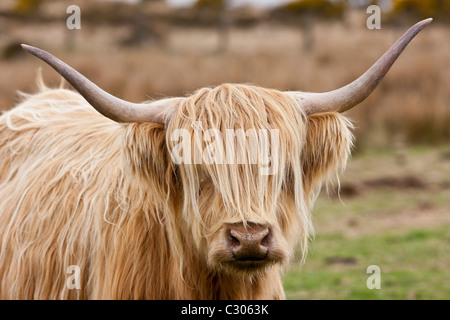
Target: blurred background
(393, 208)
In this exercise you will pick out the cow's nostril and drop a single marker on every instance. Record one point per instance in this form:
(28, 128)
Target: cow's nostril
(265, 242)
(234, 242)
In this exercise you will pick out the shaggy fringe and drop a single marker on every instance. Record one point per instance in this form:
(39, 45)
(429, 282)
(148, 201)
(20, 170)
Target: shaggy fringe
(79, 189)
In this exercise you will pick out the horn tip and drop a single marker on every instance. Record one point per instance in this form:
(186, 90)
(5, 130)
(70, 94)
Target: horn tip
(28, 48)
(25, 46)
(420, 25)
(426, 22)
(41, 54)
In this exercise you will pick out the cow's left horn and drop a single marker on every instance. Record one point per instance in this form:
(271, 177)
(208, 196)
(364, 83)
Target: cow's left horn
(105, 103)
(347, 97)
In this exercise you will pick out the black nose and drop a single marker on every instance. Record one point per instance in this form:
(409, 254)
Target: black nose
(250, 242)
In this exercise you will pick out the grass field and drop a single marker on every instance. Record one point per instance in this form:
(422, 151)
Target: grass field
(395, 218)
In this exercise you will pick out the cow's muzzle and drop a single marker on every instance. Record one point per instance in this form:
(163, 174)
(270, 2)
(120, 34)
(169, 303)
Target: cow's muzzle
(250, 247)
(251, 242)
(247, 247)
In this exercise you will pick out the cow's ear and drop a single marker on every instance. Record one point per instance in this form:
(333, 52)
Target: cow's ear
(327, 147)
(146, 155)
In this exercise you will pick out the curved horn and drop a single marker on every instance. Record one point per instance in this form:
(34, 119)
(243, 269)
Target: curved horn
(112, 107)
(347, 97)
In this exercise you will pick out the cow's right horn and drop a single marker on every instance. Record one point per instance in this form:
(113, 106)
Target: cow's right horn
(112, 107)
(347, 97)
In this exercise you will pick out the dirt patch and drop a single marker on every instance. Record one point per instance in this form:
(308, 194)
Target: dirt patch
(445, 155)
(407, 182)
(403, 182)
(425, 216)
(349, 190)
(341, 260)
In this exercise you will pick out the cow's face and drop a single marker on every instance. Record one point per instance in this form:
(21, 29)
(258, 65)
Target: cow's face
(250, 166)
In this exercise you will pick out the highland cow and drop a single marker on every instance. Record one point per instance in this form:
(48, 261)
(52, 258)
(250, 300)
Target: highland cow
(88, 182)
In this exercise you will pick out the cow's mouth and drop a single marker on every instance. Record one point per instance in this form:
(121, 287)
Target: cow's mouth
(254, 256)
(250, 259)
(252, 263)
(248, 264)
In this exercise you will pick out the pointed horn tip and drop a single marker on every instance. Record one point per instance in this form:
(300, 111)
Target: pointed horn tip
(30, 49)
(424, 23)
(26, 47)
(41, 54)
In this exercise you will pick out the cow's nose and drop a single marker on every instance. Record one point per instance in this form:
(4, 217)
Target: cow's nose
(250, 242)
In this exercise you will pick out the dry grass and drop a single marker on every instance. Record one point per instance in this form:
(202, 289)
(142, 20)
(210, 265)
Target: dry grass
(410, 105)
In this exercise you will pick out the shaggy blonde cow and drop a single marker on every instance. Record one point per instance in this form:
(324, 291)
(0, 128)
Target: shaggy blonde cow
(95, 204)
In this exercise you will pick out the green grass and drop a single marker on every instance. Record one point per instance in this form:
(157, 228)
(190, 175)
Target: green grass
(413, 265)
(405, 231)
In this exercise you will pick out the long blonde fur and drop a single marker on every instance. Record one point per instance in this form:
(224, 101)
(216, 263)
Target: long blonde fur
(79, 189)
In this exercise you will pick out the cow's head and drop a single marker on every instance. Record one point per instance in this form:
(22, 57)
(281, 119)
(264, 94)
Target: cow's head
(248, 161)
